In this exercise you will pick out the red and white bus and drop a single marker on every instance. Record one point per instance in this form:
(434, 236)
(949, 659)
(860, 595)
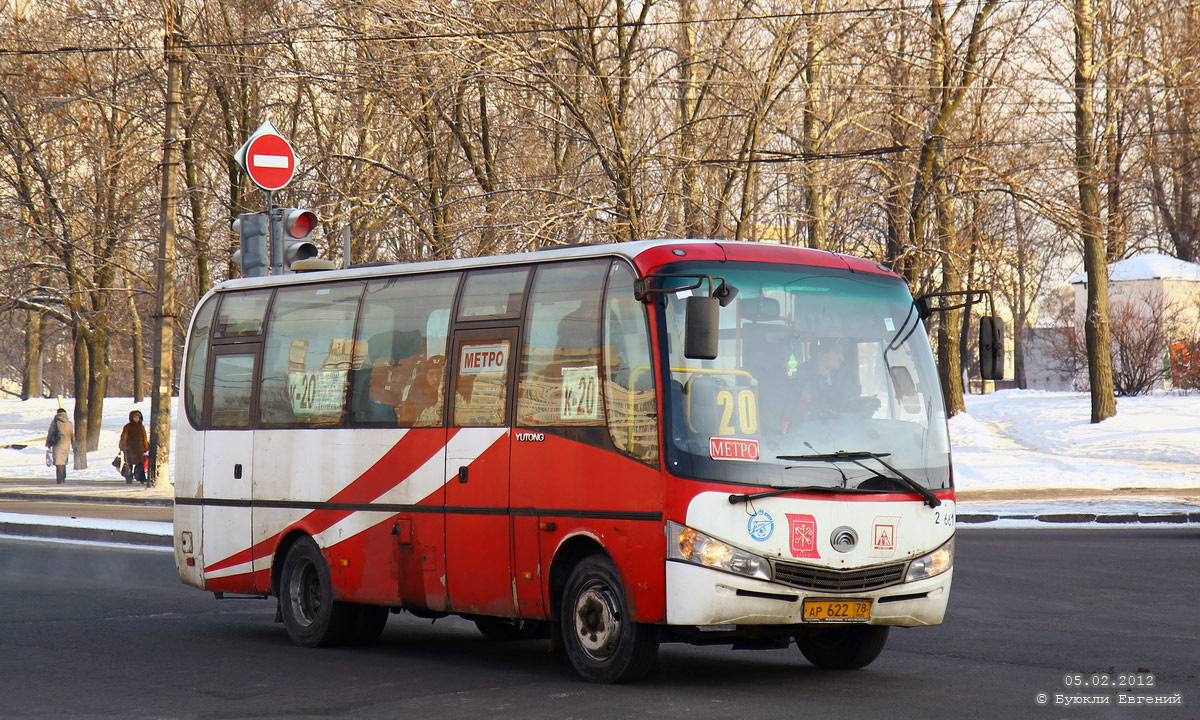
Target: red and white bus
(620, 445)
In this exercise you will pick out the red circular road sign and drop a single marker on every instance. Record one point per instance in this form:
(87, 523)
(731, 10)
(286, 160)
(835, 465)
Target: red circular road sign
(270, 161)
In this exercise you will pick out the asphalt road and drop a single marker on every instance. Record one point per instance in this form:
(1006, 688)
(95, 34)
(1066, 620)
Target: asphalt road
(101, 632)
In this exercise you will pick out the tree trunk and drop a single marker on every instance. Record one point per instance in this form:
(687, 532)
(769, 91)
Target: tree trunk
(1096, 326)
(31, 376)
(82, 375)
(815, 191)
(1018, 338)
(691, 196)
(949, 357)
(135, 349)
(168, 312)
(199, 228)
(97, 386)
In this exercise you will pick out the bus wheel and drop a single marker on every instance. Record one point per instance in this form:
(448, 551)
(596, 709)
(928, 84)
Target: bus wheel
(843, 647)
(504, 629)
(310, 614)
(602, 643)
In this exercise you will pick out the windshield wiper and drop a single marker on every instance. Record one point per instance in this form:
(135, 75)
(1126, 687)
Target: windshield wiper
(857, 457)
(735, 499)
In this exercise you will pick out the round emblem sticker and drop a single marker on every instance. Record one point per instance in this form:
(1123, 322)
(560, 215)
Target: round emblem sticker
(760, 526)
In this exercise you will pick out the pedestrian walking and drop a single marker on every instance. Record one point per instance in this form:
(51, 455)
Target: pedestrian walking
(133, 445)
(58, 444)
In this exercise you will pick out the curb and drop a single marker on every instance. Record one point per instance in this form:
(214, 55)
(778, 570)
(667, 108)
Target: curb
(58, 532)
(1178, 518)
(44, 497)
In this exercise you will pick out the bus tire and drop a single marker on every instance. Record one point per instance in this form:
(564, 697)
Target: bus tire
(843, 647)
(508, 629)
(310, 614)
(603, 644)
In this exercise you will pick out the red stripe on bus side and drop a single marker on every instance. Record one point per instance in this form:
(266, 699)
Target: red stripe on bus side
(402, 460)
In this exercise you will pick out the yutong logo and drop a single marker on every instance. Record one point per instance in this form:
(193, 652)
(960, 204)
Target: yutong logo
(844, 539)
(530, 436)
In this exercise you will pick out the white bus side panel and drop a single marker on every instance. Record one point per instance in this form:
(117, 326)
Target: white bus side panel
(189, 450)
(226, 523)
(312, 467)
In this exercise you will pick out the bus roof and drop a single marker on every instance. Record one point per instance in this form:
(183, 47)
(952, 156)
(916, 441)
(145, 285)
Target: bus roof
(645, 255)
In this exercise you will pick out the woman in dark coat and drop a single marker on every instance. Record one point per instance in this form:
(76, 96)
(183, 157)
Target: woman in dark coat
(58, 439)
(133, 445)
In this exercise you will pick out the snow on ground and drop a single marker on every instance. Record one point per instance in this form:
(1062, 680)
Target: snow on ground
(148, 527)
(1011, 440)
(1028, 439)
(25, 422)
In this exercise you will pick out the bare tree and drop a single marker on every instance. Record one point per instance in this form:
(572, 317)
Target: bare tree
(1096, 322)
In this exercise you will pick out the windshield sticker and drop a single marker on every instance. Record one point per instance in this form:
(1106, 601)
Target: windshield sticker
(761, 526)
(803, 530)
(887, 323)
(580, 393)
(884, 530)
(491, 359)
(738, 449)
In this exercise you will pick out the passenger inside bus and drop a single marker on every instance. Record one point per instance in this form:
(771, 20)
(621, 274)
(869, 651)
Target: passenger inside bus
(423, 406)
(394, 357)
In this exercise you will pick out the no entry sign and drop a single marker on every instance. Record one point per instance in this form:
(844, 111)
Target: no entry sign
(268, 158)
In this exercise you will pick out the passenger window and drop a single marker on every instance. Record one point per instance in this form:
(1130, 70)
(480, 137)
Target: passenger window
(404, 325)
(232, 390)
(197, 362)
(308, 354)
(493, 294)
(242, 313)
(628, 373)
(481, 380)
(560, 362)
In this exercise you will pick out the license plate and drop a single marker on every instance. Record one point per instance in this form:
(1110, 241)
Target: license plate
(837, 610)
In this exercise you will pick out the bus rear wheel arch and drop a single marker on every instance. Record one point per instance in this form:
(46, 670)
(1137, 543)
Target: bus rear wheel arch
(842, 647)
(312, 616)
(599, 636)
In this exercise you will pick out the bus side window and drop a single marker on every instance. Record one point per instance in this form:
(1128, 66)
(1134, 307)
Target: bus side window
(241, 313)
(197, 362)
(308, 354)
(560, 363)
(401, 382)
(493, 294)
(628, 374)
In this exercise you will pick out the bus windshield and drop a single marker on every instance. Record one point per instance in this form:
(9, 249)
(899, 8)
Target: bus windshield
(820, 374)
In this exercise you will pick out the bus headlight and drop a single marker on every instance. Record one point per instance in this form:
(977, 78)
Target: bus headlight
(935, 563)
(684, 543)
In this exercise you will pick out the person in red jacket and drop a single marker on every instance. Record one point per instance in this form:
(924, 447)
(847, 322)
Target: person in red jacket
(133, 445)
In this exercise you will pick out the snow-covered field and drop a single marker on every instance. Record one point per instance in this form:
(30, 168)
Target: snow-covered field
(1012, 440)
(1027, 439)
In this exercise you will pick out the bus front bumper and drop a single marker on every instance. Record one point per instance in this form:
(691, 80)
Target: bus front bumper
(701, 596)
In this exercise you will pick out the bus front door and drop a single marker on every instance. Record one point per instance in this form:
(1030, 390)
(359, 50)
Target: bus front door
(478, 529)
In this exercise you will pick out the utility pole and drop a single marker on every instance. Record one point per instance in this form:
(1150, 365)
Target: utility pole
(166, 310)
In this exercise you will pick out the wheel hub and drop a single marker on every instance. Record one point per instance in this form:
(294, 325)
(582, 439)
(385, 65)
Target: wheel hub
(304, 591)
(598, 621)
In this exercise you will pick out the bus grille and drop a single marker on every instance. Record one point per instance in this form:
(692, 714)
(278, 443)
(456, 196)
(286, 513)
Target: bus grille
(822, 579)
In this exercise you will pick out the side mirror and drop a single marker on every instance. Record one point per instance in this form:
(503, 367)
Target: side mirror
(991, 348)
(701, 325)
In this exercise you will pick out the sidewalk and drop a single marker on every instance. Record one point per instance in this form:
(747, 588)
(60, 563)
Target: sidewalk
(91, 510)
(113, 511)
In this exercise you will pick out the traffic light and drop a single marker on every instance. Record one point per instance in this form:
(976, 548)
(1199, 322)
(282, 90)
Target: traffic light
(298, 226)
(253, 231)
